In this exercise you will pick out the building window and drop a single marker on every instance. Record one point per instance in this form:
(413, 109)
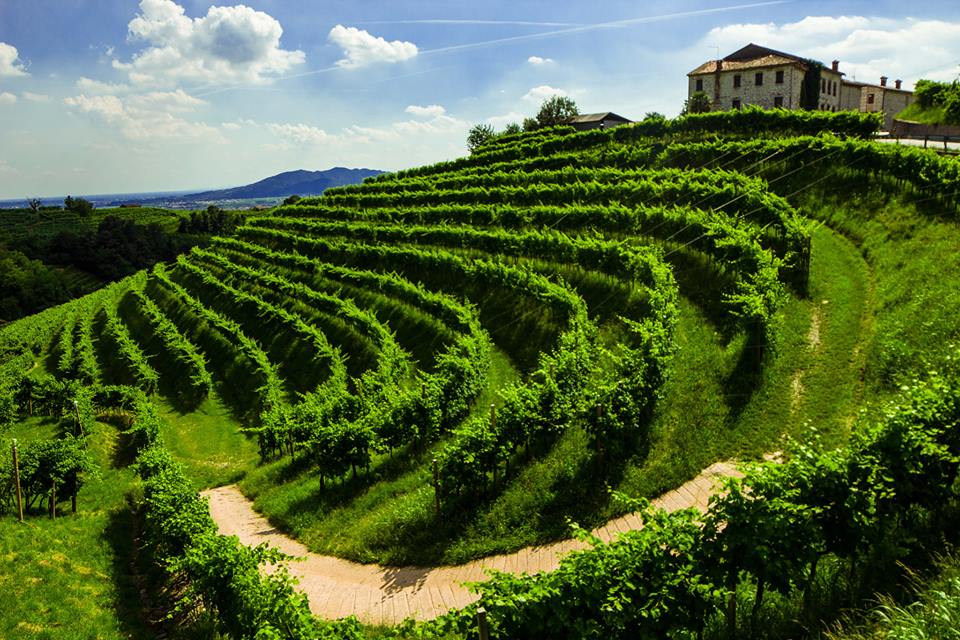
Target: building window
(699, 84)
(736, 104)
(823, 86)
(780, 77)
(736, 81)
(778, 102)
(834, 88)
(870, 98)
(758, 79)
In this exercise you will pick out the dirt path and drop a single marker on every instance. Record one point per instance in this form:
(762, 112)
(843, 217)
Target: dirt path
(388, 595)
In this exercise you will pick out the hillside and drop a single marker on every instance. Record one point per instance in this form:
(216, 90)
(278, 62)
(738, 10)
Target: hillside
(300, 182)
(440, 369)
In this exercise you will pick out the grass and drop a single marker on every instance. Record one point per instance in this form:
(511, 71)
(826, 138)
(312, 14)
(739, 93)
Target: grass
(70, 577)
(913, 250)
(934, 614)
(928, 115)
(208, 442)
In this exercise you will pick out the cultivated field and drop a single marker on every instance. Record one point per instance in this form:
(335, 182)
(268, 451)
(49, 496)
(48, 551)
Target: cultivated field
(458, 361)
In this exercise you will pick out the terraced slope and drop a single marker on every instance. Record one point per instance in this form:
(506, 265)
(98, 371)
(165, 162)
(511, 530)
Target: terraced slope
(450, 362)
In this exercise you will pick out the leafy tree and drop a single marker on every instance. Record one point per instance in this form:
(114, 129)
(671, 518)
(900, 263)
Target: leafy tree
(27, 286)
(479, 135)
(556, 110)
(34, 204)
(79, 206)
(699, 102)
(294, 199)
(530, 124)
(512, 128)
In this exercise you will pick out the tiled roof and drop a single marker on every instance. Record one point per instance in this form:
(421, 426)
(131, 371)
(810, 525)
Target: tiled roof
(596, 117)
(771, 60)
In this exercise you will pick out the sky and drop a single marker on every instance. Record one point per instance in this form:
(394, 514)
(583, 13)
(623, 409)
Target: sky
(116, 96)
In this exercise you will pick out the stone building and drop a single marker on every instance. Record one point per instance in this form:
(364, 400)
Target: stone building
(773, 79)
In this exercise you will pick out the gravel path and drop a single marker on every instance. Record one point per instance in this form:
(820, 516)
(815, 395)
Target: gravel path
(338, 588)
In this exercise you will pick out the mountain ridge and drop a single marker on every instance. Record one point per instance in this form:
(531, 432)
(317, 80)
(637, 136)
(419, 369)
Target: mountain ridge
(299, 181)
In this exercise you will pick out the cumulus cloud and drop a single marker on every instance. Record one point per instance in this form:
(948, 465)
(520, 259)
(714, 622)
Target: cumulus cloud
(541, 93)
(228, 45)
(10, 66)
(35, 97)
(87, 85)
(866, 47)
(361, 49)
(436, 122)
(537, 61)
(301, 134)
(155, 115)
(431, 111)
(7, 98)
(505, 119)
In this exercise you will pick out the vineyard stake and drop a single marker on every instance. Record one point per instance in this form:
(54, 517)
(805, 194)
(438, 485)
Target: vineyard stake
(76, 413)
(493, 428)
(482, 626)
(436, 490)
(16, 477)
(53, 499)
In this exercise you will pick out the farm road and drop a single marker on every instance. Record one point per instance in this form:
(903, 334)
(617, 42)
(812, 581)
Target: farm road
(375, 594)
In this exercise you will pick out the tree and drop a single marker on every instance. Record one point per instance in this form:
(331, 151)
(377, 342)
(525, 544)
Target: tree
(479, 135)
(294, 199)
(556, 110)
(34, 204)
(512, 128)
(79, 206)
(530, 124)
(699, 102)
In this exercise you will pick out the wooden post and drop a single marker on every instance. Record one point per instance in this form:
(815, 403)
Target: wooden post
(926, 139)
(53, 499)
(16, 479)
(482, 625)
(436, 489)
(493, 429)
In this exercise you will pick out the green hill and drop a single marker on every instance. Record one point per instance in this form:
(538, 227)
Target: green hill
(457, 360)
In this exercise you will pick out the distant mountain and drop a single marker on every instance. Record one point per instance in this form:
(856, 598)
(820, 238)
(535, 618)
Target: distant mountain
(301, 182)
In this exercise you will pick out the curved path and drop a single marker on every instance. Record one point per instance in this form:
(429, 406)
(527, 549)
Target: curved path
(374, 594)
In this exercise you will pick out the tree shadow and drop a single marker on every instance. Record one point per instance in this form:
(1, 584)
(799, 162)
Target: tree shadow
(135, 621)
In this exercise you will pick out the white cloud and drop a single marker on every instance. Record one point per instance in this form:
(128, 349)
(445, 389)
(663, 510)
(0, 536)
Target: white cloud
(148, 116)
(360, 48)
(7, 98)
(431, 111)
(231, 126)
(537, 61)
(866, 47)
(228, 45)
(87, 85)
(35, 97)
(10, 66)
(541, 93)
(507, 118)
(302, 134)
(289, 135)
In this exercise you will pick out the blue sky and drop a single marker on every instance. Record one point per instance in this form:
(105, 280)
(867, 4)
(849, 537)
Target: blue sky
(101, 96)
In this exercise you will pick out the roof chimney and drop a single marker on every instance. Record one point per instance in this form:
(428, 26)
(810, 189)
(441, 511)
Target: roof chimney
(883, 81)
(898, 83)
(836, 65)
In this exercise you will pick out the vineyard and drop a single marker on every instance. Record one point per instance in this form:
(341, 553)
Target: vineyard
(463, 359)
